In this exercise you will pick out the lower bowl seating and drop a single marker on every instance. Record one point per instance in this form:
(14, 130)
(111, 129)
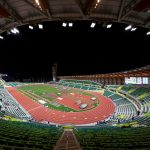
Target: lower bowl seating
(114, 138)
(19, 135)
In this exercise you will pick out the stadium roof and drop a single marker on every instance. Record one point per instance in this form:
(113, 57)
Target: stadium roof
(15, 13)
(139, 72)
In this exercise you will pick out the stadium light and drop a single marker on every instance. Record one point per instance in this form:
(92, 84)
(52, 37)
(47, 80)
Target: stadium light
(1, 37)
(109, 26)
(148, 33)
(37, 2)
(97, 2)
(133, 29)
(14, 30)
(93, 24)
(128, 27)
(70, 24)
(40, 26)
(30, 27)
(64, 24)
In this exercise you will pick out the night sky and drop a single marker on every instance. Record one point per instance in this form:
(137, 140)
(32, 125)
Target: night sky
(77, 50)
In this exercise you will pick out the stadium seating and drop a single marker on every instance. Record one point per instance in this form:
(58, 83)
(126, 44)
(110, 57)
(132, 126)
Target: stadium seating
(123, 106)
(127, 88)
(136, 91)
(78, 86)
(11, 107)
(84, 85)
(19, 135)
(142, 96)
(146, 104)
(112, 86)
(139, 91)
(80, 81)
(108, 93)
(139, 95)
(29, 135)
(114, 138)
(1, 85)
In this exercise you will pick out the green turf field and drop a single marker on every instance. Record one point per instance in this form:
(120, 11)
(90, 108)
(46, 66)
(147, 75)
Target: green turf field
(49, 94)
(40, 92)
(40, 89)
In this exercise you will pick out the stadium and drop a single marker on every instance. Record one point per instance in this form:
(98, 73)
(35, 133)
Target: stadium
(71, 110)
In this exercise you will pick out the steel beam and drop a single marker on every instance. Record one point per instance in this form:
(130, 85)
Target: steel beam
(129, 8)
(4, 4)
(36, 7)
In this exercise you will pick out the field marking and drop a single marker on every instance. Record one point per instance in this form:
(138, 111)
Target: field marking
(34, 108)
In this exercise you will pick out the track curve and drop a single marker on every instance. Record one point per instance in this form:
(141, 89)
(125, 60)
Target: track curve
(41, 113)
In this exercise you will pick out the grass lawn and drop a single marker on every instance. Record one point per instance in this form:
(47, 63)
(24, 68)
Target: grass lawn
(49, 93)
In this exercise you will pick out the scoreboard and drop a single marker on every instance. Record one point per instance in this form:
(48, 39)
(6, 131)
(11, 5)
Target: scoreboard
(136, 80)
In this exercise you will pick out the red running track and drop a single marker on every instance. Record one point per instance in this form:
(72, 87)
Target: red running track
(41, 113)
(71, 101)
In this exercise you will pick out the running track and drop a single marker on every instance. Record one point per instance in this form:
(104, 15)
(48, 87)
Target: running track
(41, 113)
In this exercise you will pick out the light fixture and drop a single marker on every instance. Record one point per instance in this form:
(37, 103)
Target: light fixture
(40, 26)
(97, 2)
(70, 24)
(64, 24)
(109, 26)
(37, 2)
(148, 33)
(133, 29)
(93, 24)
(14, 30)
(128, 27)
(1, 37)
(30, 27)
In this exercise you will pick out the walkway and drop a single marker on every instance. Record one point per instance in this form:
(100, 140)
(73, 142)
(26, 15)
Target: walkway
(67, 141)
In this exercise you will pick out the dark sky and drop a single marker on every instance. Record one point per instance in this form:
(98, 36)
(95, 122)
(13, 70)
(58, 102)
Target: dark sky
(77, 50)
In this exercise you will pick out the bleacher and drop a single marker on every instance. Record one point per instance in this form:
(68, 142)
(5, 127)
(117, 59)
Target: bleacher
(11, 107)
(123, 106)
(127, 88)
(135, 91)
(13, 84)
(1, 85)
(81, 84)
(78, 86)
(112, 86)
(108, 93)
(114, 138)
(29, 136)
(142, 96)
(85, 87)
(139, 91)
(80, 81)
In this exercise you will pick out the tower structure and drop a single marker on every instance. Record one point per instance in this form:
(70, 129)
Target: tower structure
(54, 72)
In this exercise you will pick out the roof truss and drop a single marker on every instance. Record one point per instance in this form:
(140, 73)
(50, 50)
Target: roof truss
(89, 6)
(37, 8)
(128, 8)
(80, 6)
(4, 4)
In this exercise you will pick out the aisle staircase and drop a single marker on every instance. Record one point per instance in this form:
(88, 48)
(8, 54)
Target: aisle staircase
(68, 141)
